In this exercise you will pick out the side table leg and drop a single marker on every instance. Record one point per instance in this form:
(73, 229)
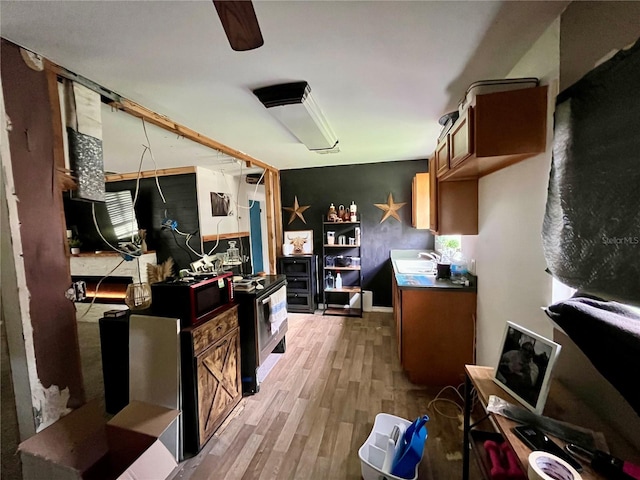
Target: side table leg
(466, 428)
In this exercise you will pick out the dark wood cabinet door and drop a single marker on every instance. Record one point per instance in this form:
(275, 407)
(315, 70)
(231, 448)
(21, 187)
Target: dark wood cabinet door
(218, 378)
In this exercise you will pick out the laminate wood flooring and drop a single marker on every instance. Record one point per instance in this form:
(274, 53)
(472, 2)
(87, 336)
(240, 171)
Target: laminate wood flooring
(317, 406)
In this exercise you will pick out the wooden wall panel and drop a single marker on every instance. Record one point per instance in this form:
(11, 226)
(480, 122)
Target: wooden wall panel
(32, 146)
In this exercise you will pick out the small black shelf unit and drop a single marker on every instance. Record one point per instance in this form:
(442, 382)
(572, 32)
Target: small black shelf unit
(301, 273)
(339, 301)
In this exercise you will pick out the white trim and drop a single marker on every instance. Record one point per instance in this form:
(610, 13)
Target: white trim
(15, 295)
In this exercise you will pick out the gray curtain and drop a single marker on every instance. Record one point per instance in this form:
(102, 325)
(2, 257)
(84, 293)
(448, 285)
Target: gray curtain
(591, 231)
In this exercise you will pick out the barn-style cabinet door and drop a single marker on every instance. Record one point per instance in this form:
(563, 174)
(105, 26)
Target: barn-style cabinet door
(211, 381)
(219, 385)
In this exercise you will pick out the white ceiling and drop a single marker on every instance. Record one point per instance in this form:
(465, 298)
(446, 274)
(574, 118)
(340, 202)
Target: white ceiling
(383, 72)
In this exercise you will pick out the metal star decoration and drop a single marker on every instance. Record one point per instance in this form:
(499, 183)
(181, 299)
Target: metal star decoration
(390, 208)
(296, 210)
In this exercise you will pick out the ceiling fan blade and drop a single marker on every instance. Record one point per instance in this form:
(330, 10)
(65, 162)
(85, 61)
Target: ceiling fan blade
(240, 24)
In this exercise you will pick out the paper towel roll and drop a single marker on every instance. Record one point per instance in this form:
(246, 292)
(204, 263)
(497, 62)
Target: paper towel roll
(546, 466)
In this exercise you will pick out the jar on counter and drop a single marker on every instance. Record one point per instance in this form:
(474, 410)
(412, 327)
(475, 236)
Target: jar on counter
(458, 268)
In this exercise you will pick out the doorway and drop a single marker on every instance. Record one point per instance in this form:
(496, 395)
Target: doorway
(255, 227)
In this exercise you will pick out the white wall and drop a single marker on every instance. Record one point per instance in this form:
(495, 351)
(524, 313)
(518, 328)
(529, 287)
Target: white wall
(208, 181)
(512, 283)
(242, 194)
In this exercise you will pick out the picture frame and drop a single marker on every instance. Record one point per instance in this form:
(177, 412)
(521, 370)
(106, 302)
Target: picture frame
(525, 365)
(298, 242)
(220, 204)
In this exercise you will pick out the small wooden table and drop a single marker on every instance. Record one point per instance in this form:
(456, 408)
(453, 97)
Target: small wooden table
(561, 405)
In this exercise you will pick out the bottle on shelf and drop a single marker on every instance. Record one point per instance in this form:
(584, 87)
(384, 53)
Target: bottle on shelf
(330, 281)
(353, 210)
(338, 280)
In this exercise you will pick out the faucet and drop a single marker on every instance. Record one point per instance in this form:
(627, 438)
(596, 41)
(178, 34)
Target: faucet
(433, 256)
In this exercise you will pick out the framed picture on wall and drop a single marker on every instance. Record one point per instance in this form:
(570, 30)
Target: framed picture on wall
(220, 204)
(299, 242)
(525, 364)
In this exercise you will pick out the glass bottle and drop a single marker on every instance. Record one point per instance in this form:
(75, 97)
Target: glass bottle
(330, 281)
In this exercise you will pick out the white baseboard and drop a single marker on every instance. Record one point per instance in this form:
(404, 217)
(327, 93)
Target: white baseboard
(373, 309)
(382, 309)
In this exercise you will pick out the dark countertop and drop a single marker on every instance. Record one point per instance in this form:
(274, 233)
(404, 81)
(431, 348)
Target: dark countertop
(270, 282)
(421, 280)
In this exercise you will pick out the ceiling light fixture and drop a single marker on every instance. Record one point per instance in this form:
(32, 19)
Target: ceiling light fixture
(293, 105)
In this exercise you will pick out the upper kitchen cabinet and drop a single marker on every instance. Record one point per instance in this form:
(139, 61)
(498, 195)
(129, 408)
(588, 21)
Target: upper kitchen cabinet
(453, 206)
(500, 129)
(420, 204)
(442, 156)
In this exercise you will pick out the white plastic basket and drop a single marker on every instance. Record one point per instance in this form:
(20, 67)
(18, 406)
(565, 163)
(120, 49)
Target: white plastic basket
(372, 453)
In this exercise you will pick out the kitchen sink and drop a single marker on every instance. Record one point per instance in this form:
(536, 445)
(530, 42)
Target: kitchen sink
(417, 266)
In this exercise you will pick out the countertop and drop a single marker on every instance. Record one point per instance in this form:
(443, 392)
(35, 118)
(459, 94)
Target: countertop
(420, 280)
(270, 282)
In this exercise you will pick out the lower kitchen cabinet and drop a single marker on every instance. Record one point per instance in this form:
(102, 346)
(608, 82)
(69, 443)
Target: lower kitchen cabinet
(211, 376)
(435, 333)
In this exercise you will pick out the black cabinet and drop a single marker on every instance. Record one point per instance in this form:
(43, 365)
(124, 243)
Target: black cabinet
(114, 346)
(301, 273)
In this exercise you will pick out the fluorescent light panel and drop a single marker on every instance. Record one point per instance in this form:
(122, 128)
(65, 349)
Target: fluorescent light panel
(293, 106)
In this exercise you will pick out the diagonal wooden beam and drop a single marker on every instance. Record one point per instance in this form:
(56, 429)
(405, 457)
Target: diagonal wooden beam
(162, 121)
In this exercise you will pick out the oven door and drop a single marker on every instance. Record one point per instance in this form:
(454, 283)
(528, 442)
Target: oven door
(270, 331)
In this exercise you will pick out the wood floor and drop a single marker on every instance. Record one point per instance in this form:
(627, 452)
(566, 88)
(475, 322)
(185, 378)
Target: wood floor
(312, 414)
(317, 407)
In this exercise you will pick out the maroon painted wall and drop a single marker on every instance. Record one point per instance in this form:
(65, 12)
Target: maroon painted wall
(42, 230)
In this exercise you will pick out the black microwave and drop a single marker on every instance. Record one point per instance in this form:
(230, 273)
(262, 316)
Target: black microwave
(192, 301)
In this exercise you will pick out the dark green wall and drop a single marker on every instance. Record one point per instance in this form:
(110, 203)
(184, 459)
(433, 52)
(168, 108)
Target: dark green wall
(365, 184)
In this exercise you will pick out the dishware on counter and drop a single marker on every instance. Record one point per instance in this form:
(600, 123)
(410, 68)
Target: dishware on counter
(342, 240)
(352, 240)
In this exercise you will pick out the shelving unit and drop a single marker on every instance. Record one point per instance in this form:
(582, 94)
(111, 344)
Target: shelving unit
(339, 301)
(301, 275)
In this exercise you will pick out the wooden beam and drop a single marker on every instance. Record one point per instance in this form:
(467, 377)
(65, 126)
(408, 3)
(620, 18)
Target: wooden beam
(162, 121)
(269, 185)
(223, 236)
(278, 213)
(162, 172)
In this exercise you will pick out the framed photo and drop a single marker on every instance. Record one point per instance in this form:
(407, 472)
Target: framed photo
(525, 364)
(299, 242)
(220, 204)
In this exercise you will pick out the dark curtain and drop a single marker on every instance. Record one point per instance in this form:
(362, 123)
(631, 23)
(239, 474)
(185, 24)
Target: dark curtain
(591, 232)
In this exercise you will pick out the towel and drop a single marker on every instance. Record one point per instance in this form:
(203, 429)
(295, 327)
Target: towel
(608, 333)
(277, 308)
